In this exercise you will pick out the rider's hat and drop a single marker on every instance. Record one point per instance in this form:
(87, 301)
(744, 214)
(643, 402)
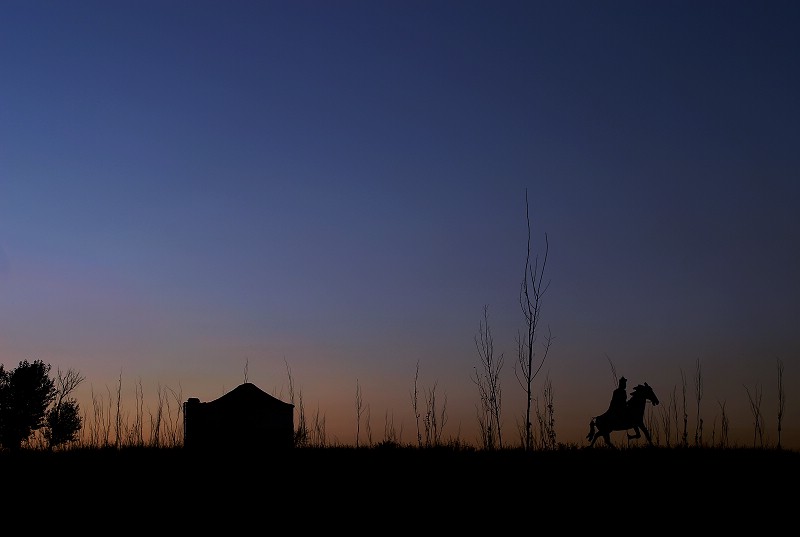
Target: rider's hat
(623, 379)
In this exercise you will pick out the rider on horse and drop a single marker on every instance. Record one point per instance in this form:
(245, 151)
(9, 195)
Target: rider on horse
(623, 414)
(619, 399)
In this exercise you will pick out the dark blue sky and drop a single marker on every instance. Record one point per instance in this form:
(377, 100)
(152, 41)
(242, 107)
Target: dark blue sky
(186, 187)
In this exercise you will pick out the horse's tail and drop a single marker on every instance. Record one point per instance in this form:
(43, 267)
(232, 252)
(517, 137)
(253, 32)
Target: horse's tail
(591, 430)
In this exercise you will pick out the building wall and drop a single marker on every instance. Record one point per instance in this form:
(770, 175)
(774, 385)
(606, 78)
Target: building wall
(238, 425)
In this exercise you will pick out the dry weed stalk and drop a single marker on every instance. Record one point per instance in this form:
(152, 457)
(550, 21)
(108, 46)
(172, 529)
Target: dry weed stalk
(390, 435)
(488, 383)
(359, 412)
(724, 426)
(685, 434)
(755, 407)
(434, 422)
(415, 405)
(698, 390)
(319, 437)
(781, 400)
(301, 433)
(368, 426)
(666, 421)
(545, 417)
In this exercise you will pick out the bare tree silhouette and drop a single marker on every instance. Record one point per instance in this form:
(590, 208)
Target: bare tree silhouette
(724, 425)
(685, 434)
(359, 411)
(488, 383)
(415, 405)
(530, 300)
(434, 419)
(755, 407)
(698, 390)
(63, 418)
(781, 399)
(546, 417)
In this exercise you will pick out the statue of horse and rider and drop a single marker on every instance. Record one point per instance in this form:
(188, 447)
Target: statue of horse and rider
(623, 414)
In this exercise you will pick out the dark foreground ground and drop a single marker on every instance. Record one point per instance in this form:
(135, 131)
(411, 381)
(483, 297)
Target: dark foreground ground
(391, 490)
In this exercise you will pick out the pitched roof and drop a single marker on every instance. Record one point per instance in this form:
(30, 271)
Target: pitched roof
(249, 394)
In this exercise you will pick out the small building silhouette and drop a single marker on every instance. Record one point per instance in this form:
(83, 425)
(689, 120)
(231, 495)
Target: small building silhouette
(244, 418)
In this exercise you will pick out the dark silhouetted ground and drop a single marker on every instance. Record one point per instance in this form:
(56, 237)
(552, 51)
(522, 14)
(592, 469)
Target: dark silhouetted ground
(379, 490)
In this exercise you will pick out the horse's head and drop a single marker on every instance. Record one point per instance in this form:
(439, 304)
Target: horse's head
(648, 393)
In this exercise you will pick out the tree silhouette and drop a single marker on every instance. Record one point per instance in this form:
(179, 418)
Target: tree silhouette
(25, 394)
(63, 420)
(63, 423)
(530, 300)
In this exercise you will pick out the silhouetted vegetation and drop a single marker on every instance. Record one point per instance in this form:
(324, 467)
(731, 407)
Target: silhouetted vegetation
(113, 466)
(31, 401)
(530, 300)
(40, 413)
(51, 417)
(107, 424)
(489, 389)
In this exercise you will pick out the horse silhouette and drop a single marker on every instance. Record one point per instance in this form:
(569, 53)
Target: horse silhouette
(631, 418)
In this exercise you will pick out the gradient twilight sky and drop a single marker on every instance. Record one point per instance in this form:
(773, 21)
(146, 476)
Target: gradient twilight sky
(192, 191)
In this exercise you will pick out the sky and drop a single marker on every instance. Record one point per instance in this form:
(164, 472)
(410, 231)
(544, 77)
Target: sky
(322, 197)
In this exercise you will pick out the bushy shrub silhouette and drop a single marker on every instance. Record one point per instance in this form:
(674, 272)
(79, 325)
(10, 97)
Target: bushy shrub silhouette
(26, 395)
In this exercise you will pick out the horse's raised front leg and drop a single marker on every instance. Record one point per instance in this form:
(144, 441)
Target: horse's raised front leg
(638, 434)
